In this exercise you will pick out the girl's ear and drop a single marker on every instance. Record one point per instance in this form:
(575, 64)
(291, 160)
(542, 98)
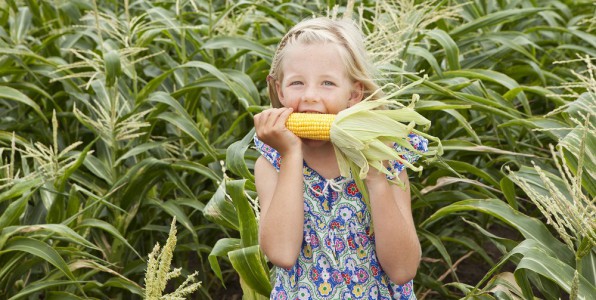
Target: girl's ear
(357, 93)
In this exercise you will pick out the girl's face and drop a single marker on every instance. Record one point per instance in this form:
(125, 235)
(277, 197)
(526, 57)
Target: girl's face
(316, 80)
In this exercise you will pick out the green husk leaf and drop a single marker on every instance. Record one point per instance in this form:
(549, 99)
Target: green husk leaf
(362, 135)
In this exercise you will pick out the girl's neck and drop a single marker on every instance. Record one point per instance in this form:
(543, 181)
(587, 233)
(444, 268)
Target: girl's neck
(320, 156)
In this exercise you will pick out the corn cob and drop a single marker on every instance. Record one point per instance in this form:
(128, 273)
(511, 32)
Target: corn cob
(311, 126)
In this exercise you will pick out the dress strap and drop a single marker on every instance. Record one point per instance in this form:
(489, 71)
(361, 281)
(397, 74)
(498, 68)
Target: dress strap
(268, 152)
(410, 154)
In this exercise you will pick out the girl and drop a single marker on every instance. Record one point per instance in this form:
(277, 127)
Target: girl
(314, 225)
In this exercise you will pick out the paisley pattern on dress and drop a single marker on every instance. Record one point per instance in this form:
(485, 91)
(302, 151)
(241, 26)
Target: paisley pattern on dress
(338, 259)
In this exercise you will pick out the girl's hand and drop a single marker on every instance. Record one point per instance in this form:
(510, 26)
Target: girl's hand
(271, 128)
(375, 176)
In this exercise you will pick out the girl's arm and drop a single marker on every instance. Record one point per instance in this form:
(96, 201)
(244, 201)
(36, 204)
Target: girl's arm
(280, 193)
(397, 245)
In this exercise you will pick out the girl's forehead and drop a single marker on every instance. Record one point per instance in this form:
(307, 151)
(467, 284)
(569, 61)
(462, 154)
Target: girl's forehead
(323, 51)
(313, 56)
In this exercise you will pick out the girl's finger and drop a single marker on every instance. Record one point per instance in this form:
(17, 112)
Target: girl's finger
(283, 117)
(271, 118)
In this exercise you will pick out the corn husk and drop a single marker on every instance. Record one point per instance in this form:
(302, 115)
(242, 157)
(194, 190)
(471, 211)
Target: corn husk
(362, 136)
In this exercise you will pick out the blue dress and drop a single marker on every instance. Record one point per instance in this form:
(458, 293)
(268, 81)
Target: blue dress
(337, 259)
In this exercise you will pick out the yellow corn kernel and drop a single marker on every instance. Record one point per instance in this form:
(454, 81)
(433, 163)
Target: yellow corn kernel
(310, 126)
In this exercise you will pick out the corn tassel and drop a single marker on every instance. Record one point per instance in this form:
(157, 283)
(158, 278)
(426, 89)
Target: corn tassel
(311, 126)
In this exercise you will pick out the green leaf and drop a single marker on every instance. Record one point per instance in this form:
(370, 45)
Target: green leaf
(251, 266)
(126, 284)
(449, 45)
(198, 168)
(59, 229)
(538, 259)
(459, 145)
(248, 223)
(230, 78)
(438, 244)
(99, 168)
(429, 57)
(221, 210)
(190, 128)
(43, 285)
(15, 95)
(140, 179)
(589, 266)
(554, 128)
(174, 210)
(235, 159)
(464, 167)
(238, 42)
(464, 123)
(13, 212)
(529, 227)
(109, 228)
(57, 295)
(39, 249)
(142, 148)
(508, 189)
(496, 18)
(113, 67)
(492, 76)
(221, 249)
(79, 161)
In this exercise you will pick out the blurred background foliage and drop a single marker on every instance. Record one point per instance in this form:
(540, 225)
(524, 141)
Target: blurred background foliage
(118, 116)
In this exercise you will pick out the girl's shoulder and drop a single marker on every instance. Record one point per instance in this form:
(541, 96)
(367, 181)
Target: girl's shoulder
(268, 152)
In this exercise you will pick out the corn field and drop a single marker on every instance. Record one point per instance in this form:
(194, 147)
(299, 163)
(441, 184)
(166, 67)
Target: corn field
(126, 143)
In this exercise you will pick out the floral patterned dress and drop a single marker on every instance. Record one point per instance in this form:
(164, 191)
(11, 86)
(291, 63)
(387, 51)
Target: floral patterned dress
(337, 259)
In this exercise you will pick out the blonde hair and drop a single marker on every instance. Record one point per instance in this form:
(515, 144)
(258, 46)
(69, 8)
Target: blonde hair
(343, 33)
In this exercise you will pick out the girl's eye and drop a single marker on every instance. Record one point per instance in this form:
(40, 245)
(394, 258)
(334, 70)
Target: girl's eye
(328, 83)
(295, 82)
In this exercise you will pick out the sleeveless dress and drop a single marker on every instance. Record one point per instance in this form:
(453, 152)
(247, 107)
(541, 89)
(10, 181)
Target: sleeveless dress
(337, 259)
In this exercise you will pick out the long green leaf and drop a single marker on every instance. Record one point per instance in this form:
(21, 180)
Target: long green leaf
(449, 46)
(246, 216)
(41, 250)
(59, 229)
(221, 249)
(250, 265)
(429, 57)
(190, 128)
(109, 228)
(235, 159)
(15, 95)
(41, 286)
(529, 227)
(496, 77)
(197, 168)
(459, 145)
(538, 259)
(174, 210)
(221, 210)
(231, 42)
(497, 18)
(12, 214)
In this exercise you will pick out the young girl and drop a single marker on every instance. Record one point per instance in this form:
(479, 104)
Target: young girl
(314, 224)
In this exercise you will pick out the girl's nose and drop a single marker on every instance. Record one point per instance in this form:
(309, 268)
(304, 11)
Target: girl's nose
(311, 95)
